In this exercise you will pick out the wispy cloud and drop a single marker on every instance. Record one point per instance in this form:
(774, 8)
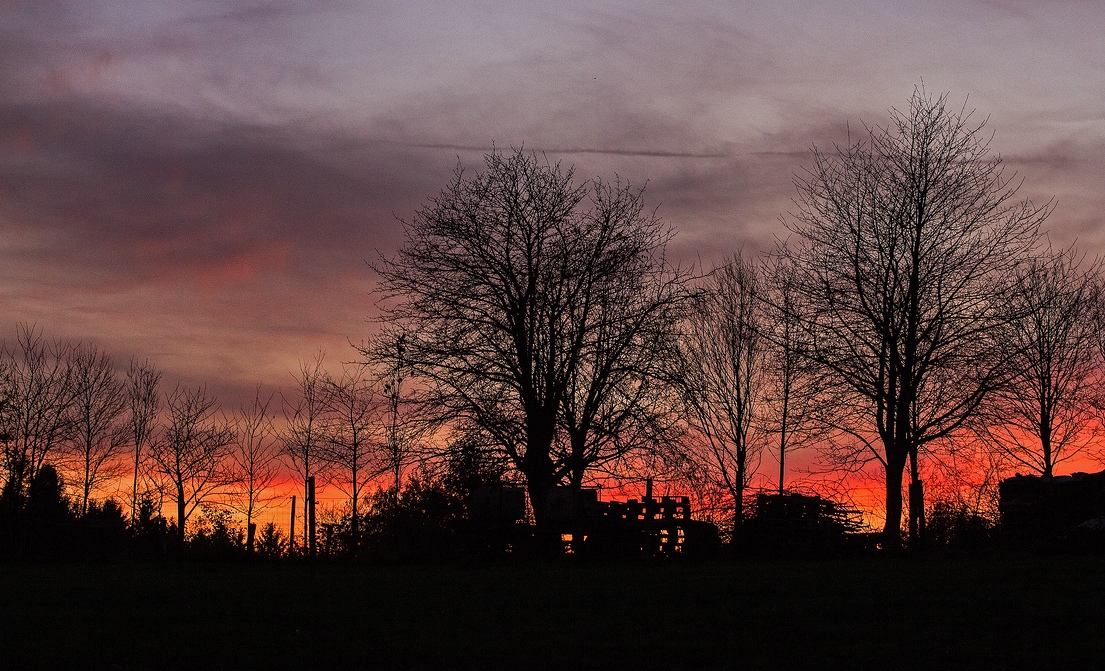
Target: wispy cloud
(193, 177)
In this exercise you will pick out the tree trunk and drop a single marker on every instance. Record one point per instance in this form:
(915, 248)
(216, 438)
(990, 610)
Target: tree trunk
(783, 448)
(916, 504)
(576, 462)
(537, 466)
(539, 484)
(892, 530)
(738, 513)
(1045, 444)
(354, 520)
(134, 488)
(180, 506)
(738, 501)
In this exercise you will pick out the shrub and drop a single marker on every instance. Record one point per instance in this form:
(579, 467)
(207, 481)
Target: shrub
(215, 534)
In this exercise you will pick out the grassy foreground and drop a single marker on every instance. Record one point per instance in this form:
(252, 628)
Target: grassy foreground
(946, 612)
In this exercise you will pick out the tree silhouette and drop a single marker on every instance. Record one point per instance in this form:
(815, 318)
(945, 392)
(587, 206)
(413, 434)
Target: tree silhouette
(98, 409)
(271, 541)
(38, 395)
(1047, 412)
(795, 402)
(722, 378)
(354, 436)
(47, 519)
(304, 432)
(255, 461)
(904, 246)
(499, 292)
(192, 450)
(144, 400)
(618, 408)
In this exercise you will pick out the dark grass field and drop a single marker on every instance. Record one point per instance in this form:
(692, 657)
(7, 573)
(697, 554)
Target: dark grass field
(938, 612)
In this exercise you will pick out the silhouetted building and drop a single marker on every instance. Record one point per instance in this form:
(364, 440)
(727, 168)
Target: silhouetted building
(577, 522)
(1034, 506)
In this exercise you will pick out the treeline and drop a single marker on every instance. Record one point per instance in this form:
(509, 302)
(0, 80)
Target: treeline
(94, 456)
(913, 321)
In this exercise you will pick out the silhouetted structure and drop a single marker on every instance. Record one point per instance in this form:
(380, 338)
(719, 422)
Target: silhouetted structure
(791, 523)
(578, 523)
(1035, 507)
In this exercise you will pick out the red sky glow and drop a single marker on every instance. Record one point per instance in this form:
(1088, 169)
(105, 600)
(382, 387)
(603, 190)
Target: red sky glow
(201, 183)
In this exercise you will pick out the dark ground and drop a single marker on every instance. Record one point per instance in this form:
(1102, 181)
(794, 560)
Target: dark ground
(977, 612)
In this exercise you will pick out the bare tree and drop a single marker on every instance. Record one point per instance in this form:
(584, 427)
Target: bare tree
(497, 292)
(353, 437)
(191, 454)
(98, 409)
(256, 461)
(617, 408)
(1047, 413)
(904, 246)
(794, 403)
(407, 422)
(722, 375)
(304, 432)
(38, 399)
(144, 400)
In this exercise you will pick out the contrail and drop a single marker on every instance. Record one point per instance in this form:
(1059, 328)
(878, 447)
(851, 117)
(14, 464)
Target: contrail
(657, 153)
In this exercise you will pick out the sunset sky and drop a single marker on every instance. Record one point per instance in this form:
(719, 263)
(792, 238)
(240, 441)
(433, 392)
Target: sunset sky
(202, 183)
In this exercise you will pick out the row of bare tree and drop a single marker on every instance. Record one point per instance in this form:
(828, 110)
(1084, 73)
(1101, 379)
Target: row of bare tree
(68, 405)
(914, 316)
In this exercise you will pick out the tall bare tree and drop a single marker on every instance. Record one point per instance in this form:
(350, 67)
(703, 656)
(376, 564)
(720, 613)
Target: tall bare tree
(904, 245)
(304, 433)
(144, 401)
(191, 453)
(98, 410)
(617, 408)
(407, 423)
(497, 292)
(354, 437)
(722, 379)
(255, 461)
(1047, 413)
(794, 402)
(38, 399)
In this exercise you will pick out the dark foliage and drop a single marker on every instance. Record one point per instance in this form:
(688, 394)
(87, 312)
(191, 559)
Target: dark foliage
(797, 524)
(103, 532)
(152, 535)
(271, 543)
(469, 465)
(418, 523)
(45, 524)
(1060, 512)
(957, 527)
(215, 535)
(40, 523)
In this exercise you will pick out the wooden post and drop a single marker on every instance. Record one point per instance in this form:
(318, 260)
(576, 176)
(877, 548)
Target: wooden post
(311, 548)
(291, 530)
